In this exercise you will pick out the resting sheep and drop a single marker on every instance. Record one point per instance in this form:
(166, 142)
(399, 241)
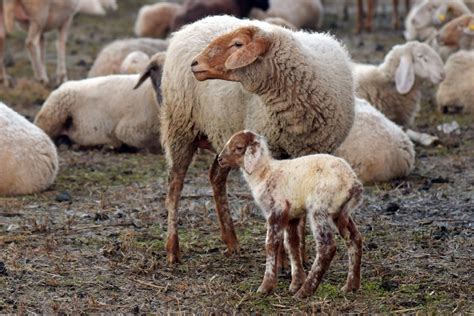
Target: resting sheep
(111, 57)
(394, 87)
(97, 7)
(38, 17)
(155, 20)
(295, 88)
(424, 20)
(455, 35)
(103, 111)
(29, 161)
(376, 148)
(193, 10)
(456, 92)
(321, 187)
(134, 63)
(306, 14)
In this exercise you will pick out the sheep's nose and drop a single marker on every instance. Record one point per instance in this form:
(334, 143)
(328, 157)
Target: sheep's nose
(194, 63)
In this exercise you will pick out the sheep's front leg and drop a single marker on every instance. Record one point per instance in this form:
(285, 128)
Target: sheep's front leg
(180, 162)
(293, 246)
(272, 245)
(325, 251)
(61, 71)
(34, 48)
(395, 16)
(218, 178)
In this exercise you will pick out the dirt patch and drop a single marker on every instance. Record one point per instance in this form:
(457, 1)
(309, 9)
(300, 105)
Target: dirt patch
(95, 241)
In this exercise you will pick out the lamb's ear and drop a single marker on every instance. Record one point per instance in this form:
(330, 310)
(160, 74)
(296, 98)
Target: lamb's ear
(405, 74)
(248, 54)
(252, 156)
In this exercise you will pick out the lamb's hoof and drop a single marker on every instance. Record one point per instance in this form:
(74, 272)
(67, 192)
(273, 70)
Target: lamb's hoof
(265, 289)
(232, 250)
(301, 294)
(351, 287)
(294, 287)
(44, 81)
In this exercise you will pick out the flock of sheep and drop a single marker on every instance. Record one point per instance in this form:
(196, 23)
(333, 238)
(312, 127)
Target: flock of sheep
(272, 89)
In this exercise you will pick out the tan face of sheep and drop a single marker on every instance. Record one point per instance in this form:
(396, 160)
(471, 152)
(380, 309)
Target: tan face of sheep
(452, 32)
(418, 60)
(242, 150)
(230, 52)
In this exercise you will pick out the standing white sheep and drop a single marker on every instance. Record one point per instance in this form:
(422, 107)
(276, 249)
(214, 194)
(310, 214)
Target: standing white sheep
(394, 87)
(29, 161)
(376, 148)
(322, 188)
(155, 20)
(295, 88)
(103, 111)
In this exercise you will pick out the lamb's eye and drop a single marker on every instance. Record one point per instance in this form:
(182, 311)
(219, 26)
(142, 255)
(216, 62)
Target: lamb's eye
(238, 44)
(239, 148)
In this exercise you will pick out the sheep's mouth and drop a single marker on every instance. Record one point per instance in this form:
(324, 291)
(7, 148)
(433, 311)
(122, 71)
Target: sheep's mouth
(201, 75)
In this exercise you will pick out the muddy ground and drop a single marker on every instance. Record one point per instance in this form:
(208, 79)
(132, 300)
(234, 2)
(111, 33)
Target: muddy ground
(102, 248)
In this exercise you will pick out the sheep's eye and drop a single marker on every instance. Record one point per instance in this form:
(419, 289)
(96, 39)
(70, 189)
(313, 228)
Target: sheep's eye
(238, 44)
(239, 148)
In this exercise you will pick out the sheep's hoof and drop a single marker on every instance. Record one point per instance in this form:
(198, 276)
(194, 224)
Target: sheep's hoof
(301, 294)
(173, 259)
(7, 82)
(43, 81)
(295, 286)
(61, 79)
(232, 249)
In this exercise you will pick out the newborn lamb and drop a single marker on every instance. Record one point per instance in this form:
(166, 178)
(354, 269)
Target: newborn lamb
(322, 187)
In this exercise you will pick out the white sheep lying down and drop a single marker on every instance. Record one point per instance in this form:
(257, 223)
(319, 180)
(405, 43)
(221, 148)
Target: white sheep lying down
(456, 92)
(376, 148)
(112, 56)
(28, 158)
(103, 111)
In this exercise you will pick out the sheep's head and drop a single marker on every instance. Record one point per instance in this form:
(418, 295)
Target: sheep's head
(244, 149)
(451, 33)
(227, 54)
(417, 60)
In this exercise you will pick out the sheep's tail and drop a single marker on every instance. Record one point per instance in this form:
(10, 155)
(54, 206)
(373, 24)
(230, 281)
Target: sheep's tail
(9, 14)
(354, 199)
(55, 114)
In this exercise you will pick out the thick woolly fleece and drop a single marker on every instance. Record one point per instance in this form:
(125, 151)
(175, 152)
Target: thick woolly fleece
(376, 148)
(28, 158)
(103, 111)
(457, 90)
(299, 95)
(111, 57)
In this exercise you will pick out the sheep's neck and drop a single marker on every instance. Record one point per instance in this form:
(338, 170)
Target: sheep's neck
(289, 89)
(261, 172)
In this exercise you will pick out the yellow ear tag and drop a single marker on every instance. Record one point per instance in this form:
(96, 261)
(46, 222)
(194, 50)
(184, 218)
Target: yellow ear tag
(442, 17)
(471, 26)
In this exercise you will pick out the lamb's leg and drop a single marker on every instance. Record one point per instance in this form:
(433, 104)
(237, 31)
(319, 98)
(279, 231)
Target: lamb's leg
(180, 162)
(61, 71)
(293, 245)
(395, 16)
(34, 49)
(272, 244)
(302, 238)
(218, 178)
(3, 72)
(325, 251)
(351, 235)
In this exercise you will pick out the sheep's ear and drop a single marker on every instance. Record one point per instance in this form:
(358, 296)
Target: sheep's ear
(152, 66)
(252, 156)
(405, 75)
(248, 54)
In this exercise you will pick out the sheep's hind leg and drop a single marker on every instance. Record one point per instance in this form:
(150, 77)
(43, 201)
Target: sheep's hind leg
(61, 71)
(348, 230)
(179, 166)
(33, 44)
(325, 251)
(218, 178)
(293, 245)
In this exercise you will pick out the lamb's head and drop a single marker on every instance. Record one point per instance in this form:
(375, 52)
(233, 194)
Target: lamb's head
(458, 33)
(412, 60)
(228, 55)
(244, 149)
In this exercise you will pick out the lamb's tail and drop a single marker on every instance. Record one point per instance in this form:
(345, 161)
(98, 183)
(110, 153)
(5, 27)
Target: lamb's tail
(355, 197)
(55, 115)
(9, 14)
